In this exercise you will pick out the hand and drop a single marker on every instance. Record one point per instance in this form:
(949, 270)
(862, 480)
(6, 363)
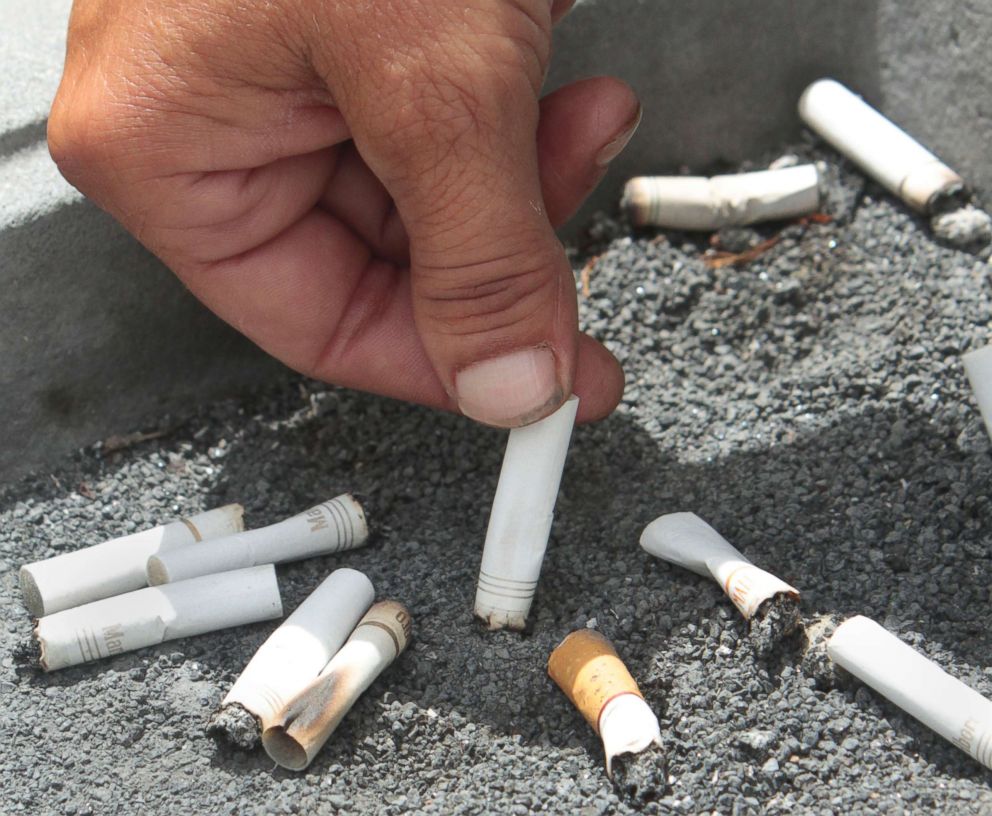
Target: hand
(366, 188)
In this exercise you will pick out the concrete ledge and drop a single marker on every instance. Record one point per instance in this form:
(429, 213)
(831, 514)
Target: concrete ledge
(97, 337)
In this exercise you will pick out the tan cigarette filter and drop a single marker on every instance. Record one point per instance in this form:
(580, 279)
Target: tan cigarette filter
(587, 668)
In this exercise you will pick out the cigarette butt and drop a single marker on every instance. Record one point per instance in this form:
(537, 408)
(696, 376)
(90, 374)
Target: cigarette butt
(295, 653)
(520, 522)
(116, 566)
(883, 150)
(916, 684)
(699, 203)
(300, 730)
(154, 615)
(688, 541)
(978, 367)
(329, 527)
(587, 668)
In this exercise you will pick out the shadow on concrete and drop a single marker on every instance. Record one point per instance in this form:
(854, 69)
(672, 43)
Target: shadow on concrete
(98, 337)
(25, 136)
(784, 506)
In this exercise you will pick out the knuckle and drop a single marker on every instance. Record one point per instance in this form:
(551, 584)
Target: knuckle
(72, 137)
(489, 296)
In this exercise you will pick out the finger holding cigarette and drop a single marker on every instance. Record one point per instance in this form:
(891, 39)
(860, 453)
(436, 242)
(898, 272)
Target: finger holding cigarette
(147, 617)
(329, 527)
(293, 656)
(700, 203)
(587, 668)
(916, 684)
(686, 540)
(300, 730)
(117, 566)
(520, 522)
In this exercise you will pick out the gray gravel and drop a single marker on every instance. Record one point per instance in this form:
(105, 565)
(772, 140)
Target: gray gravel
(810, 405)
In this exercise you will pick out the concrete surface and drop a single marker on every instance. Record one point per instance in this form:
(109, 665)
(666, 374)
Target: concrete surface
(719, 81)
(811, 405)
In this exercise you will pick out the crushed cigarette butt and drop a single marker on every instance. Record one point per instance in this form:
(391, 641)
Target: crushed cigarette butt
(587, 668)
(699, 203)
(688, 541)
(292, 656)
(299, 730)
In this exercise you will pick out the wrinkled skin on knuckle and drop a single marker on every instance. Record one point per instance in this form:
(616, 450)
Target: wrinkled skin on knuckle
(491, 296)
(449, 81)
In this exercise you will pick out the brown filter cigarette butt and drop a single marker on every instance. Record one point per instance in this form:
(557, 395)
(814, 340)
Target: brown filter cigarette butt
(587, 668)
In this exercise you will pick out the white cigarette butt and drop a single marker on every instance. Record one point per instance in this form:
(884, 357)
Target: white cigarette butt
(300, 730)
(295, 653)
(154, 615)
(329, 527)
(699, 203)
(916, 684)
(116, 566)
(688, 541)
(883, 150)
(978, 367)
(520, 523)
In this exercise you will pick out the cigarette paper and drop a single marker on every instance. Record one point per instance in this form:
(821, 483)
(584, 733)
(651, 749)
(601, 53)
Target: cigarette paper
(154, 615)
(520, 523)
(329, 527)
(117, 566)
(699, 203)
(586, 667)
(978, 367)
(296, 652)
(688, 541)
(916, 684)
(304, 725)
(883, 150)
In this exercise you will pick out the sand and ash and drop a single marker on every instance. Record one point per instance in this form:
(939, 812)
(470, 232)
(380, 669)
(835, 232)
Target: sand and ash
(809, 405)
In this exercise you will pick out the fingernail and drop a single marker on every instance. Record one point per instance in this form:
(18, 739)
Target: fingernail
(615, 147)
(511, 390)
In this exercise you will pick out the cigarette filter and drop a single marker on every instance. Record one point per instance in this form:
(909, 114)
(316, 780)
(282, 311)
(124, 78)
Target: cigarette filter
(688, 541)
(699, 203)
(116, 566)
(296, 652)
(978, 367)
(330, 527)
(520, 523)
(586, 667)
(883, 150)
(916, 684)
(154, 615)
(300, 730)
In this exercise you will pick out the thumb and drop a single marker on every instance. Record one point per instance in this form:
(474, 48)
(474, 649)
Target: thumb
(454, 141)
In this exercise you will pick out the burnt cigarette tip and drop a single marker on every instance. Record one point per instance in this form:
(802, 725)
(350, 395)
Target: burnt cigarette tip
(42, 656)
(236, 725)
